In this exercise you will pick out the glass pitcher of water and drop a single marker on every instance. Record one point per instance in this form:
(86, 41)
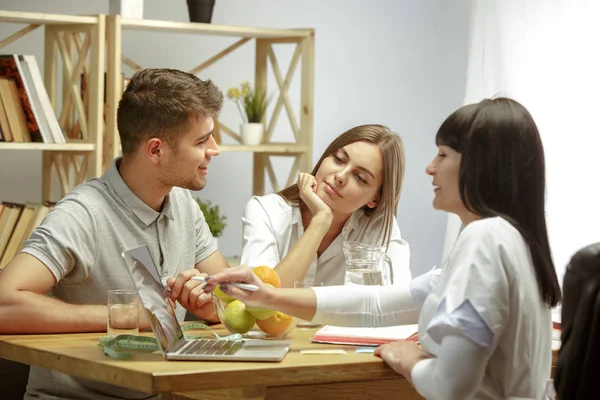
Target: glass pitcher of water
(367, 264)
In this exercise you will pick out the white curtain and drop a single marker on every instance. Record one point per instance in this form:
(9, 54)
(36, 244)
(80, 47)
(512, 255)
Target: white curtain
(546, 55)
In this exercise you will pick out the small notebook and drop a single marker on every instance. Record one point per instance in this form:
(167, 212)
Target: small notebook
(366, 336)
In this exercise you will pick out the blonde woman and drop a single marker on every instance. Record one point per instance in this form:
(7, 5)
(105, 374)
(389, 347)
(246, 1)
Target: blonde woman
(351, 194)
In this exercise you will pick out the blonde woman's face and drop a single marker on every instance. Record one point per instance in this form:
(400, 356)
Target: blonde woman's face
(351, 177)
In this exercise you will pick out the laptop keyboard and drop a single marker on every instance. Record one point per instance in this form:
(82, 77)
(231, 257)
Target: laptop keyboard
(212, 347)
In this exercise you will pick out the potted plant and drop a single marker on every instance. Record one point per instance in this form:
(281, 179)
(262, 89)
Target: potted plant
(214, 219)
(252, 105)
(200, 10)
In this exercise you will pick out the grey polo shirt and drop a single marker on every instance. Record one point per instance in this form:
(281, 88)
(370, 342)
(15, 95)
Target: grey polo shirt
(81, 240)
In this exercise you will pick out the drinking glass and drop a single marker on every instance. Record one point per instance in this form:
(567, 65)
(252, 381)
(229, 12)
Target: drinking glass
(307, 284)
(123, 310)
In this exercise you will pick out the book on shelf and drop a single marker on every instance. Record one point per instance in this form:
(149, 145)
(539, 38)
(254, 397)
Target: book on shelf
(16, 237)
(4, 122)
(30, 97)
(16, 128)
(8, 220)
(365, 336)
(17, 222)
(42, 102)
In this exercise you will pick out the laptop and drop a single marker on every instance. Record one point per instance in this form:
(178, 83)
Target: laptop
(166, 328)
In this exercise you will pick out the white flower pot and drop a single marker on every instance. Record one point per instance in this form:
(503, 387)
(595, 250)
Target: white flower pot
(252, 133)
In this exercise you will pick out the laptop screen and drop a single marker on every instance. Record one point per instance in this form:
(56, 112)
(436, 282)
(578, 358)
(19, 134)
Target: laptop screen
(153, 297)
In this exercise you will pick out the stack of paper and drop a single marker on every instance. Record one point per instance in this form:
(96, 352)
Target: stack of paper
(365, 336)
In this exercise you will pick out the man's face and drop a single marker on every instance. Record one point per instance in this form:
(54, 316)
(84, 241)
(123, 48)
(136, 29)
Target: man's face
(186, 165)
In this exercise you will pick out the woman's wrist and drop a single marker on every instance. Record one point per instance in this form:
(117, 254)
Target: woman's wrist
(300, 303)
(270, 296)
(322, 220)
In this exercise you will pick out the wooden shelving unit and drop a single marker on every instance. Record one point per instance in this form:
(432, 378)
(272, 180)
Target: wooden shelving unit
(302, 126)
(78, 42)
(83, 45)
(272, 148)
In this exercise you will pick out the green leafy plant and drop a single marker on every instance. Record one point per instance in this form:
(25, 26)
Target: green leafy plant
(251, 102)
(213, 217)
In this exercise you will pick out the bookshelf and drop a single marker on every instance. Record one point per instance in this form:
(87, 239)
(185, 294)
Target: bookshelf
(76, 46)
(73, 46)
(300, 121)
(85, 52)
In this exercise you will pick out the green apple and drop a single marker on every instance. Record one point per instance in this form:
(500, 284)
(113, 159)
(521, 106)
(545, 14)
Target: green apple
(260, 313)
(237, 317)
(221, 295)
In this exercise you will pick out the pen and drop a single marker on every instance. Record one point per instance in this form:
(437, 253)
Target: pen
(244, 286)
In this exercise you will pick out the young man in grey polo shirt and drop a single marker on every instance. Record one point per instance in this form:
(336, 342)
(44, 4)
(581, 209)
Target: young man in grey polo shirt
(165, 120)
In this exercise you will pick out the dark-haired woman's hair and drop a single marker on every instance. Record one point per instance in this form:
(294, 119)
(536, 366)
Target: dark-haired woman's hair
(502, 174)
(392, 153)
(579, 355)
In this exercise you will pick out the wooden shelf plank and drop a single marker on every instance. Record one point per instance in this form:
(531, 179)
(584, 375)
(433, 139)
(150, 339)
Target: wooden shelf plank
(46, 19)
(211, 29)
(278, 148)
(48, 146)
(273, 148)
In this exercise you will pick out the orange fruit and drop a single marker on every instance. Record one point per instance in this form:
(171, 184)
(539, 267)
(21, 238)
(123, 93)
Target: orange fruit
(276, 325)
(267, 275)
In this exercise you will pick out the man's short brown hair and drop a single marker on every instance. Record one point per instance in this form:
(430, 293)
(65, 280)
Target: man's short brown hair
(159, 102)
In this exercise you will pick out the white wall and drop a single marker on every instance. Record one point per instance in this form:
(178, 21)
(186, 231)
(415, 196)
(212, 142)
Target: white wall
(540, 55)
(400, 63)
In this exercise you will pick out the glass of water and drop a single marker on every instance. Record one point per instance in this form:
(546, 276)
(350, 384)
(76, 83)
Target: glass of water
(123, 310)
(307, 284)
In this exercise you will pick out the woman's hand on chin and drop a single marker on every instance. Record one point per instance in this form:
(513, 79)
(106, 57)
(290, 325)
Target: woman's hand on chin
(307, 186)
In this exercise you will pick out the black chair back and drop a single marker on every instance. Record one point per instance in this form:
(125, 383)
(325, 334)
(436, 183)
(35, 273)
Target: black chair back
(579, 356)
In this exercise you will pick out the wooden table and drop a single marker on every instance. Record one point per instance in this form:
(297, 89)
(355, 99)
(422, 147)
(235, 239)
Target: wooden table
(298, 376)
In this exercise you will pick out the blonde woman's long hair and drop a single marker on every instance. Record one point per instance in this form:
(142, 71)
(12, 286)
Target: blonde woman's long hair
(392, 151)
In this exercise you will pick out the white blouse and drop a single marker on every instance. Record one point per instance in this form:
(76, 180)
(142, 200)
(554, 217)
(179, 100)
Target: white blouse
(484, 311)
(270, 227)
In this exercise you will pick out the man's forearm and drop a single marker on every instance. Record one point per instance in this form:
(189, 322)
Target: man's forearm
(26, 312)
